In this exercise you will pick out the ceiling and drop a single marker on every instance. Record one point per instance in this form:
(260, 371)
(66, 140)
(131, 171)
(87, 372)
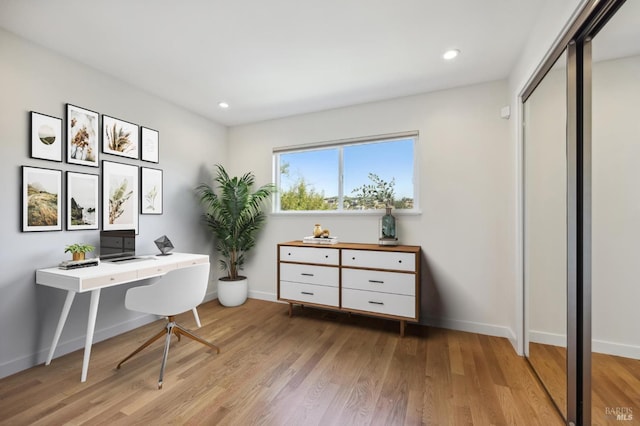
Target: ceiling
(275, 58)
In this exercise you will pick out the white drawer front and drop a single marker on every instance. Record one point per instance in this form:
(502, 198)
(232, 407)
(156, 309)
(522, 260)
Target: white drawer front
(155, 271)
(309, 274)
(107, 280)
(382, 303)
(380, 281)
(323, 256)
(379, 259)
(309, 293)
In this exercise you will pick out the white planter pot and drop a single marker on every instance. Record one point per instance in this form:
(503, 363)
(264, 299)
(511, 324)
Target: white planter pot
(233, 293)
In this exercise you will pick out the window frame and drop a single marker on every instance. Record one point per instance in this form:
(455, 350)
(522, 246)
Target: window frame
(340, 145)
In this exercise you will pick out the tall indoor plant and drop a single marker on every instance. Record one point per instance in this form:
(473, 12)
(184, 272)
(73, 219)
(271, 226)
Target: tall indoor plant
(234, 214)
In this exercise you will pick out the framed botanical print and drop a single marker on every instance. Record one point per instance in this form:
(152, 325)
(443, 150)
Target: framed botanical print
(119, 137)
(82, 201)
(119, 196)
(150, 145)
(151, 193)
(41, 199)
(46, 137)
(82, 136)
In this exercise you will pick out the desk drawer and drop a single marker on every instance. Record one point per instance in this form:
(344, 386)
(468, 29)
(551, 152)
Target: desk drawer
(107, 280)
(187, 263)
(398, 261)
(322, 256)
(380, 281)
(319, 294)
(155, 271)
(382, 303)
(309, 274)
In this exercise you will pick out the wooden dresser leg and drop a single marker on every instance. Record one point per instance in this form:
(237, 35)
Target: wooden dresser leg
(402, 324)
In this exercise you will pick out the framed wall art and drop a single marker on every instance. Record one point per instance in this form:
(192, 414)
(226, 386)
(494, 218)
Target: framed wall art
(41, 199)
(46, 137)
(82, 136)
(119, 137)
(82, 201)
(150, 145)
(120, 191)
(151, 193)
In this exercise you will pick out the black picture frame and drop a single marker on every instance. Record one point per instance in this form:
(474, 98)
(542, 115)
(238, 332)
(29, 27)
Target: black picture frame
(149, 145)
(151, 187)
(82, 136)
(120, 137)
(46, 137)
(41, 199)
(82, 201)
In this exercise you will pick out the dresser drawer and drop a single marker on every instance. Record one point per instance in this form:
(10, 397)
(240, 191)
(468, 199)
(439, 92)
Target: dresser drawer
(381, 303)
(322, 256)
(106, 280)
(309, 274)
(154, 271)
(380, 281)
(310, 293)
(398, 261)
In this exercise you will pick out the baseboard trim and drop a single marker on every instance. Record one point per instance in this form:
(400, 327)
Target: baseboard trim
(598, 346)
(472, 327)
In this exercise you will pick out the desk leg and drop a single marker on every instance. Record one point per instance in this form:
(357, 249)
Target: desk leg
(91, 325)
(63, 319)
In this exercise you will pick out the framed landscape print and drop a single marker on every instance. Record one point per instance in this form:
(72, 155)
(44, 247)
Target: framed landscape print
(41, 199)
(82, 201)
(150, 145)
(119, 196)
(46, 137)
(119, 137)
(151, 194)
(82, 136)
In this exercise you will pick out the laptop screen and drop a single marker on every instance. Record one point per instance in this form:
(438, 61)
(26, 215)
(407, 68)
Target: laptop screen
(116, 245)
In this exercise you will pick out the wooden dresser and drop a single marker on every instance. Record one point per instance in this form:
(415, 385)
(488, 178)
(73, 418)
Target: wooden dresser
(369, 279)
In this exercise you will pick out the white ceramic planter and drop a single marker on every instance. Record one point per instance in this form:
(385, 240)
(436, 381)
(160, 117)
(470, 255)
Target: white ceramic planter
(233, 293)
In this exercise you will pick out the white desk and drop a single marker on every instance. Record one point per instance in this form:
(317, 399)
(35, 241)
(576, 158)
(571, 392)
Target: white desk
(106, 274)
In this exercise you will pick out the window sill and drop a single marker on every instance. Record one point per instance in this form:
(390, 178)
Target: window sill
(376, 213)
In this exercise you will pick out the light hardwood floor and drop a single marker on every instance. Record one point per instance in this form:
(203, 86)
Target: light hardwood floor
(316, 368)
(615, 383)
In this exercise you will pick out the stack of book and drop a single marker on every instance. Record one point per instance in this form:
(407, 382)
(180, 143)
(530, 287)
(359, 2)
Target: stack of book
(320, 240)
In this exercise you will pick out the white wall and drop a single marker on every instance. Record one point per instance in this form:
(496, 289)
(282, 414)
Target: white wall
(34, 79)
(616, 206)
(545, 210)
(466, 228)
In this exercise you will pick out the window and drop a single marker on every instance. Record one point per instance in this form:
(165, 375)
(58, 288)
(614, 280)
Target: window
(356, 174)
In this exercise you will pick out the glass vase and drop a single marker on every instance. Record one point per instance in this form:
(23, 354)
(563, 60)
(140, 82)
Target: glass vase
(388, 230)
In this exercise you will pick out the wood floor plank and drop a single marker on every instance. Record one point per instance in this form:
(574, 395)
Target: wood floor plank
(315, 368)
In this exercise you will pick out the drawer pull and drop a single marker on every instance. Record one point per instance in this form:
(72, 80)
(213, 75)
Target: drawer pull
(375, 303)
(306, 274)
(376, 281)
(399, 261)
(353, 258)
(307, 293)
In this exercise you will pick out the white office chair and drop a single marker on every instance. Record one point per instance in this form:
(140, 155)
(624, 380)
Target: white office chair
(177, 291)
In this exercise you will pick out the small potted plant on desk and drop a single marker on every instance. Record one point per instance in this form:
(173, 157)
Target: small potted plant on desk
(78, 250)
(234, 215)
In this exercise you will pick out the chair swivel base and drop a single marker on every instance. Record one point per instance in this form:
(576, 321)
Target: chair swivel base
(178, 330)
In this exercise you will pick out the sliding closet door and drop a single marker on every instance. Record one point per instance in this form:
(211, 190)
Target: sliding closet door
(545, 231)
(615, 360)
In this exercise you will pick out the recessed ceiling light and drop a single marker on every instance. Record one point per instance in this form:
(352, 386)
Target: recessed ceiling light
(223, 105)
(450, 54)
